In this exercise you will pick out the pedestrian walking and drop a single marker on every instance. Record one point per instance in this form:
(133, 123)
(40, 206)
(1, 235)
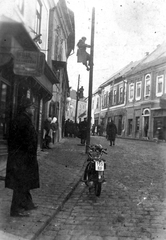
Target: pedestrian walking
(22, 173)
(111, 132)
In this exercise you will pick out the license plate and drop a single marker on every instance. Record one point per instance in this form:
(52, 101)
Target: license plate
(99, 166)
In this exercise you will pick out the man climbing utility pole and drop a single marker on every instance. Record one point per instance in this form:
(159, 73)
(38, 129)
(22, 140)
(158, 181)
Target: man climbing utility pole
(90, 80)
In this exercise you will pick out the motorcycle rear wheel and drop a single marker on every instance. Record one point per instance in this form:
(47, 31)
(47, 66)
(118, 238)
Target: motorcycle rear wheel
(97, 188)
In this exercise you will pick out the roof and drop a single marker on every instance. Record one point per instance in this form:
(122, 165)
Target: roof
(158, 56)
(121, 72)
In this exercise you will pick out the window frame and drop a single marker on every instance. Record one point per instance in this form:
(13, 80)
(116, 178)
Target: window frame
(147, 78)
(38, 18)
(158, 94)
(138, 97)
(131, 98)
(114, 95)
(120, 94)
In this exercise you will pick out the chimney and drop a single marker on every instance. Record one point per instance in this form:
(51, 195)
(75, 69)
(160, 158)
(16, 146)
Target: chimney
(146, 54)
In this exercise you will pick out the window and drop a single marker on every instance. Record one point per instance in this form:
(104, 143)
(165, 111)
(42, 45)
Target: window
(114, 95)
(20, 5)
(138, 90)
(121, 94)
(38, 17)
(159, 85)
(110, 97)
(147, 85)
(131, 92)
(97, 104)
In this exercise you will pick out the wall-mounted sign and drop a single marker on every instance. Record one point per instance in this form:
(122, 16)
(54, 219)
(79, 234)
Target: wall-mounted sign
(28, 63)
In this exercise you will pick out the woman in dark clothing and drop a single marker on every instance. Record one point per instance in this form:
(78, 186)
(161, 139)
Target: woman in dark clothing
(111, 132)
(22, 173)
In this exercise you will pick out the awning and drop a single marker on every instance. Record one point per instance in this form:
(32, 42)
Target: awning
(45, 83)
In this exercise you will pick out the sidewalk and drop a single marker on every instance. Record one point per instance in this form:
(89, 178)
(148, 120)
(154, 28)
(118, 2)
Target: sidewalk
(61, 169)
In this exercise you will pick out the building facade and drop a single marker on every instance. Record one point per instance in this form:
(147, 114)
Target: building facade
(135, 98)
(25, 66)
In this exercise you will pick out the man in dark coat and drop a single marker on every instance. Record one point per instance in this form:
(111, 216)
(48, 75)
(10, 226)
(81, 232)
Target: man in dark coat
(82, 55)
(111, 132)
(83, 131)
(22, 173)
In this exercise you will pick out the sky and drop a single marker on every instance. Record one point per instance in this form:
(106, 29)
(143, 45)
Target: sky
(124, 31)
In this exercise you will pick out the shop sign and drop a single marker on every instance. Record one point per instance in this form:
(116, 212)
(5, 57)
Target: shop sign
(29, 63)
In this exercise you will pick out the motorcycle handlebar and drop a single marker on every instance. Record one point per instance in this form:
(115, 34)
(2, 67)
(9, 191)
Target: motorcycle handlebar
(103, 150)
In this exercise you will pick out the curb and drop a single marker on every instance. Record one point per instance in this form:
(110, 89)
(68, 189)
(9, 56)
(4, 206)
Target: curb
(72, 186)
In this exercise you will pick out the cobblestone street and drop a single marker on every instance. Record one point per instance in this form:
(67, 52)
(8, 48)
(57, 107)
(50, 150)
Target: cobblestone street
(60, 171)
(132, 202)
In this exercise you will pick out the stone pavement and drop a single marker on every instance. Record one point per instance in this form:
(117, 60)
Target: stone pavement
(61, 169)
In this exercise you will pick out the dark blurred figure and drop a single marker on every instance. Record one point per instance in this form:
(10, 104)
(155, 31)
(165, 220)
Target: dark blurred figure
(111, 132)
(22, 173)
(83, 131)
(93, 129)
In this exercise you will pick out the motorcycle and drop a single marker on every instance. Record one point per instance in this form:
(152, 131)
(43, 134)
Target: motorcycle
(94, 171)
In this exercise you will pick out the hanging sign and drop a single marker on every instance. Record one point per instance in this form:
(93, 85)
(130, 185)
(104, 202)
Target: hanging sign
(29, 63)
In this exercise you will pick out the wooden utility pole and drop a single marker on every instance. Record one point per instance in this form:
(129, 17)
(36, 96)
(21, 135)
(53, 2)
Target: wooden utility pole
(77, 98)
(90, 80)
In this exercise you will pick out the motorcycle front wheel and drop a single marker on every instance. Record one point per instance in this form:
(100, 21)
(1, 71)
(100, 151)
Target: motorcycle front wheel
(86, 174)
(97, 188)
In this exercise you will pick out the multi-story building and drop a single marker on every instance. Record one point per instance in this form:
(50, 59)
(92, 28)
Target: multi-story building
(60, 45)
(146, 97)
(110, 99)
(135, 98)
(26, 67)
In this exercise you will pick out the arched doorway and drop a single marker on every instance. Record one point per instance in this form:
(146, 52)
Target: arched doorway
(146, 117)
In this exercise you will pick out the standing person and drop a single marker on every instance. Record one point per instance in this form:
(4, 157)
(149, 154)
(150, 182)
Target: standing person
(146, 129)
(111, 132)
(82, 55)
(47, 133)
(22, 173)
(83, 131)
(54, 127)
(93, 129)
